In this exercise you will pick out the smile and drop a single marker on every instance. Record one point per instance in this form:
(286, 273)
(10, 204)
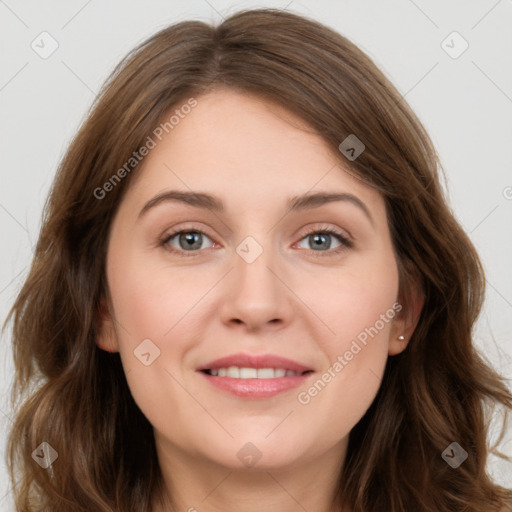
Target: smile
(254, 383)
(235, 372)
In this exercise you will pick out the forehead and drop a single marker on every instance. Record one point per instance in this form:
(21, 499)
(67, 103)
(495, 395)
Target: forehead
(246, 150)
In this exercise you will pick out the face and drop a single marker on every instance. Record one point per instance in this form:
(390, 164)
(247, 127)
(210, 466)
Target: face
(308, 288)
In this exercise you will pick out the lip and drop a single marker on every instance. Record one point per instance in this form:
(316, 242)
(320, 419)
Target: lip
(256, 361)
(256, 388)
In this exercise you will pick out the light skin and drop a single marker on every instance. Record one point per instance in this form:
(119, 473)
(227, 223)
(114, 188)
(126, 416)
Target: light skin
(253, 156)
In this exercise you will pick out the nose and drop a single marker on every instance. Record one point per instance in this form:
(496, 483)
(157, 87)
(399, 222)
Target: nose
(256, 295)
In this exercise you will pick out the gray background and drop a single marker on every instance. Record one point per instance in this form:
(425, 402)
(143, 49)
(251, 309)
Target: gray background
(465, 104)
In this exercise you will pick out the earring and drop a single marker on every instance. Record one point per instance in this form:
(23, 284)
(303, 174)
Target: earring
(401, 338)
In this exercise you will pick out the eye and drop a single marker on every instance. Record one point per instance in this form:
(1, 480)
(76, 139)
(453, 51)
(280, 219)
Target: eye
(320, 238)
(188, 241)
(191, 241)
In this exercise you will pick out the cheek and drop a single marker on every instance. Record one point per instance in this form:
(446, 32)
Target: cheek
(359, 310)
(153, 310)
(158, 313)
(353, 300)
(149, 296)
(345, 388)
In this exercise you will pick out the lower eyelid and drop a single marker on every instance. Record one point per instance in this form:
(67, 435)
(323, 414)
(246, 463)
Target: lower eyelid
(345, 242)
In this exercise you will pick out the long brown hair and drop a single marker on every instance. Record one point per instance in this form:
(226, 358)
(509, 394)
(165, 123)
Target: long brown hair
(74, 396)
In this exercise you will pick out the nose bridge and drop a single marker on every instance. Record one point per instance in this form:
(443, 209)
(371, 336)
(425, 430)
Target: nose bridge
(257, 296)
(254, 258)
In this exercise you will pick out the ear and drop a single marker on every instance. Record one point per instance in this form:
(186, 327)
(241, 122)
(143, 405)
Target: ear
(406, 320)
(106, 337)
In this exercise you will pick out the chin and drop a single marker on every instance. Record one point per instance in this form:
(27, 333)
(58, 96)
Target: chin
(257, 452)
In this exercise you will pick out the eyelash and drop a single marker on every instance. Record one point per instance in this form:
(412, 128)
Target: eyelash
(345, 242)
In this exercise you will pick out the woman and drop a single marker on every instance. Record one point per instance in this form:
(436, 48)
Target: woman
(195, 345)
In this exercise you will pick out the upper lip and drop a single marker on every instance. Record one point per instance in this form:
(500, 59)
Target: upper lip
(255, 361)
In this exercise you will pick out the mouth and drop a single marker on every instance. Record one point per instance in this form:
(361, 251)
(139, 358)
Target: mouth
(252, 377)
(234, 372)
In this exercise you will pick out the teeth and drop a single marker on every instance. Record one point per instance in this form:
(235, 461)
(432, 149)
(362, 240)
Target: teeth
(233, 372)
(252, 373)
(248, 373)
(265, 373)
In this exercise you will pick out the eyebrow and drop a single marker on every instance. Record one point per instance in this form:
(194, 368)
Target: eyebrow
(295, 204)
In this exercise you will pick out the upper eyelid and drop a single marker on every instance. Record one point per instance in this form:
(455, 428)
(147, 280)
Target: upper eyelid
(331, 230)
(344, 235)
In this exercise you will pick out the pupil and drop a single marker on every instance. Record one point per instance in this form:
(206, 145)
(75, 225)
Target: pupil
(189, 237)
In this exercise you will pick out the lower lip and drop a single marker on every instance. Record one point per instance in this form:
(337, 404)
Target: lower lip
(256, 388)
